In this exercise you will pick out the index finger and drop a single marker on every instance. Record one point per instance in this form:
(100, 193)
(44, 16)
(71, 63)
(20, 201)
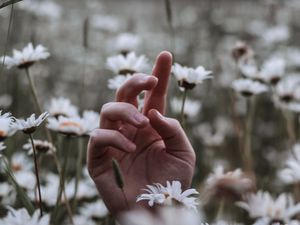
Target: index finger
(156, 98)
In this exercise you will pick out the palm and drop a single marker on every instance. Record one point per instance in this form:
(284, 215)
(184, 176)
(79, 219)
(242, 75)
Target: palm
(152, 151)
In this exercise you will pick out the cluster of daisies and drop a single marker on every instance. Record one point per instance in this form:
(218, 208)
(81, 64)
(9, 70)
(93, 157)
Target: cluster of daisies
(271, 76)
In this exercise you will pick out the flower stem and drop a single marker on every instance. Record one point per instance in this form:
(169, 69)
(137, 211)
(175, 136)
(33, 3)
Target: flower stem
(62, 184)
(33, 91)
(78, 171)
(39, 201)
(182, 106)
(248, 161)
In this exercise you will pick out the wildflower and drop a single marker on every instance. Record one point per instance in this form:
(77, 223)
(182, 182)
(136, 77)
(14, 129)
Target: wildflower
(29, 125)
(191, 109)
(273, 70)
(125, 43)
(62, 107)
(129, 64)
(6, 126)
(27, 57)
(22, 169)
(249, 87)
(169, 195)
(276, 34)
(68, 126)
(166, 216)
(94, 210)
(285, 90)
(40, 146)
(117, 81)
(75, 126)
(5, 101)
(241, 50)
(82, 220)
(291, 174)
(188, 77)
(266, 210)
(231, 184)
(21, 216)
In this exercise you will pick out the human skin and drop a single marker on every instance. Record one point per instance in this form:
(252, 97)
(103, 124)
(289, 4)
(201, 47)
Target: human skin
(149, 147)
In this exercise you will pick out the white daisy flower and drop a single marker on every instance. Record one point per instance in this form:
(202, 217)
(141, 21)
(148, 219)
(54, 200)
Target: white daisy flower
(27, 57)
(165, 216)
(40, 147)
(273, 70)
(159, 194)
(241, 51)
(250, 70)
(22, 167)
(266, 210)
(21, 216)
(286, 89)
(231, 184)
(210, 136)
(94, 210)
(125, 43)
(291, 174)
(5, 101)
(90, 121)
(129, 64)
(116, 82)
(188, 77)
(62, 107)
(5, 189)
(248, 87)
(30, 124)
(6, 125)
(65, 125)
(191, 108)
(82, 220)
(277, 34)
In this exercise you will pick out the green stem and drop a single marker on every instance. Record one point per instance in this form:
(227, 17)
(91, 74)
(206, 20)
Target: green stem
(182, 107)
(78, 172)
(62, 184)
(248, 161)
(34, 91)
(39, 201)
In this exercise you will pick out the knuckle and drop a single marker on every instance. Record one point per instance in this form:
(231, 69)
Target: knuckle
(174, 123)
(106, 108)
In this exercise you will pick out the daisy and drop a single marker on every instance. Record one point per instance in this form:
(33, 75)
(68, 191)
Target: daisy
(27, 57)
(248, 87)
(276, 34)
(266, 210)
(22, 167)
(125, 43)
(21, 216)
(188, 77)
(90, 121)
(94, 210)
(116, 82)
(273, 70)
(169, 195)
(5, 101)
(129, 64)
(191, 108)
(86, 189)
(82, 220)
(285, 90)
(230, 184)
(64, 125)
(6, 125)
(241, 50)
(291, 174)
(29, 125)
(40, 147)
(62, 107)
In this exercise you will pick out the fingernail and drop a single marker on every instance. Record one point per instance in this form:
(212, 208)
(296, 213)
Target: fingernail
(140, 118)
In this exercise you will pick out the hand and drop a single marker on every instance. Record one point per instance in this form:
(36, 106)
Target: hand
(149, 147)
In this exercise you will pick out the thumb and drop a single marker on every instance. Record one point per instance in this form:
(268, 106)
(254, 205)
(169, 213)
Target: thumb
(171, 132)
